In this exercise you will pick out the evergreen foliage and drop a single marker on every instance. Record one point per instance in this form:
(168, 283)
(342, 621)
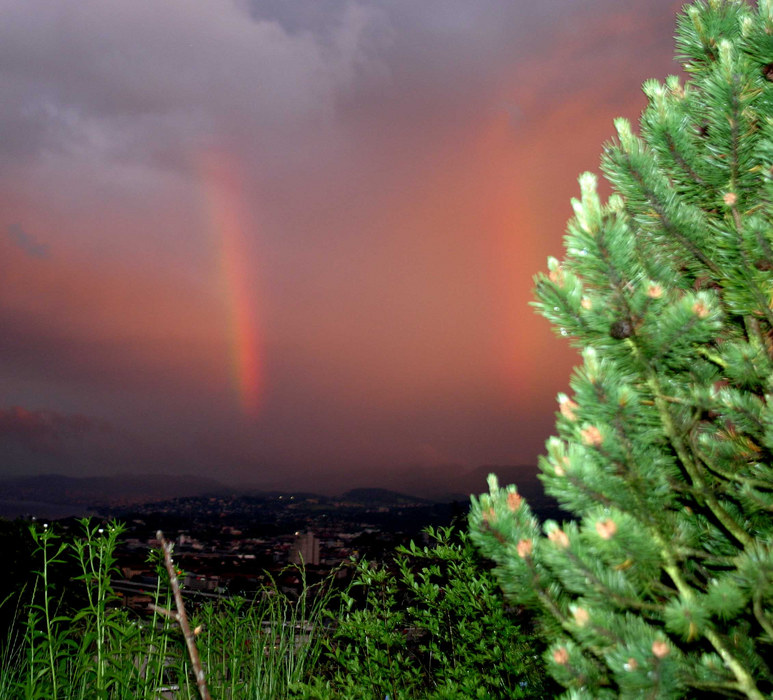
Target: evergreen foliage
(662, 585)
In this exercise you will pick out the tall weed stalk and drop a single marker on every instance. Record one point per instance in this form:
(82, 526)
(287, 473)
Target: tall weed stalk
(250, 649)
(45, 636)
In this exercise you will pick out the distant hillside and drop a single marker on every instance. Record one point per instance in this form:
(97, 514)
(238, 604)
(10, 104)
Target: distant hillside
(524, 476)
(106, 490)
(78, 495)
(380, 497)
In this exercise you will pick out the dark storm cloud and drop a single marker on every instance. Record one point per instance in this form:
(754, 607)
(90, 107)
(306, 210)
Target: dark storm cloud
(45, 431)
(316, 17)
(26, 242)
(142, 80)
(34, 441)
(123, 80)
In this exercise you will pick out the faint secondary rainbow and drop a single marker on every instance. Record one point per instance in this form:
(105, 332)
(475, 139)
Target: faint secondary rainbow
(229, 221)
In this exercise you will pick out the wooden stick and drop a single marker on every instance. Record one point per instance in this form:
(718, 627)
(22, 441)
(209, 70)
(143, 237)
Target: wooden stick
(182, 618)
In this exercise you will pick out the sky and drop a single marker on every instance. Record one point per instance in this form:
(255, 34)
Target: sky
(292, 244)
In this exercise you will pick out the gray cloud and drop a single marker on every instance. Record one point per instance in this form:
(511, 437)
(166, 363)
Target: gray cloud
(137, 80)
(119, 79)
(23, 240)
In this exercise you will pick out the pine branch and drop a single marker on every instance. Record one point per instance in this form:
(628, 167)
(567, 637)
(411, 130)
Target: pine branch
(690, 466)
(746, 682)
(759, 612)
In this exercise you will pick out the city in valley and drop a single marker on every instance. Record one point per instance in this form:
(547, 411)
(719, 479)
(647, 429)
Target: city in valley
(232, 544)
(237, 545)
(240, 544)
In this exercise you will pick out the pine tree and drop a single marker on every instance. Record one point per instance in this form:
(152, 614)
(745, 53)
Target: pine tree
(661, 584)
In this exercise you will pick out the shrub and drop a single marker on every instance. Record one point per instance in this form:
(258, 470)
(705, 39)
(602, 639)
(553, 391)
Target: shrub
(431, 623)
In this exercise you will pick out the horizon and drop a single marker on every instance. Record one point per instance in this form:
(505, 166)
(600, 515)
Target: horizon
(284, 243)
(192, 484)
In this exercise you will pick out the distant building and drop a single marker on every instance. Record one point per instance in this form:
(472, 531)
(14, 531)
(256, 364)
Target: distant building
(305, 549)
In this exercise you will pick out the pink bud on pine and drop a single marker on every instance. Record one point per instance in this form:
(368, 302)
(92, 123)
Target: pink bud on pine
(654, 291)
(581, 616)
(567, 407)
(514, 501)
(700, 309)
(591, 436)
(559, 537)
(606, 528)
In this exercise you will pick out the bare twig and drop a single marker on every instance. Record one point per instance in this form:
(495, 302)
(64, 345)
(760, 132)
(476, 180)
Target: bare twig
(166, 612)
(182, 618)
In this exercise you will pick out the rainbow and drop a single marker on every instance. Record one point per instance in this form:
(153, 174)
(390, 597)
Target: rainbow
(229, 221)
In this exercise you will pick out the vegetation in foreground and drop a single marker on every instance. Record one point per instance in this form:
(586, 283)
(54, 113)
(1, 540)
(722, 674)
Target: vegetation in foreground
(430, 623)
(663, 585)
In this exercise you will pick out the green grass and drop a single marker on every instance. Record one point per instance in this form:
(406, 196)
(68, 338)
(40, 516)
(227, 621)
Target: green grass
(429, 623)
(249, 649)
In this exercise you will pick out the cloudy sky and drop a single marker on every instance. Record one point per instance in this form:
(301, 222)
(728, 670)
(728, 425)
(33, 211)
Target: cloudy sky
(291, 242)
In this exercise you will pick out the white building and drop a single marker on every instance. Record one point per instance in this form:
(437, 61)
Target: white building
(305, 549)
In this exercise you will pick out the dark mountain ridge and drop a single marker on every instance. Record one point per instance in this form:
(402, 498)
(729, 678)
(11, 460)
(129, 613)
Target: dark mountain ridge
(379, 496)
(97, 490)
(93, 492)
